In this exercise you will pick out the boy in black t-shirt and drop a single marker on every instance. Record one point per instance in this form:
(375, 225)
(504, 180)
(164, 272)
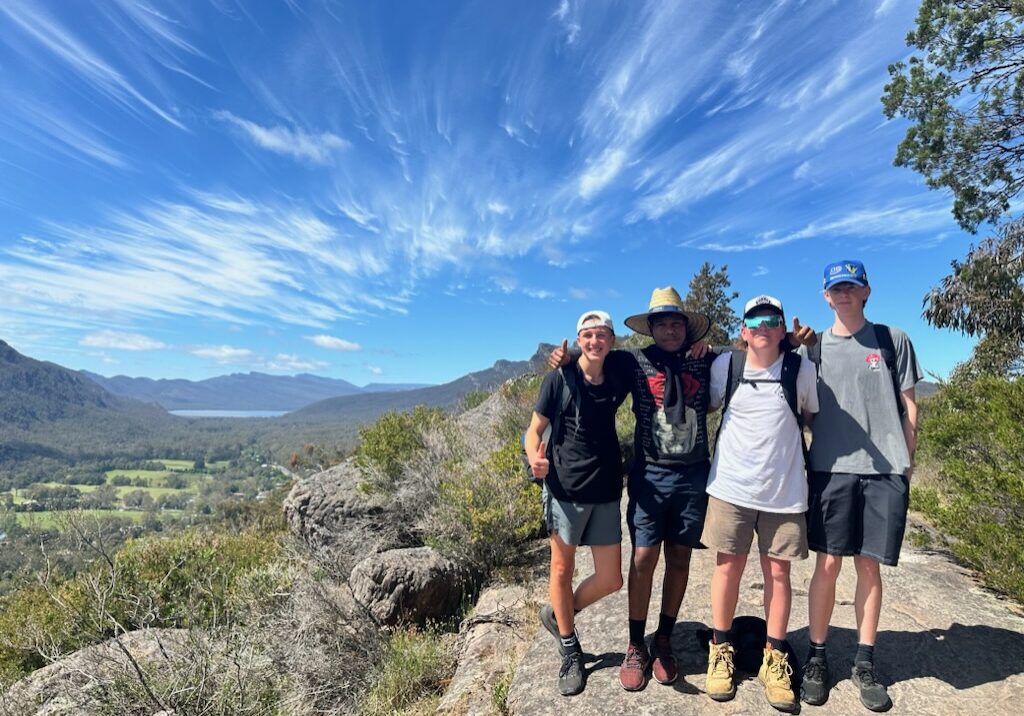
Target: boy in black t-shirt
(582, 486)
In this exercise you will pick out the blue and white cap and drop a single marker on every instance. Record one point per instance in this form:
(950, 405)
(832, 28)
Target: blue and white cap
(847, 271)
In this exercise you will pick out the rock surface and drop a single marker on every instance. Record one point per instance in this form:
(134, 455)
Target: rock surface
(494, 639)
(416, 584)
(945, 646)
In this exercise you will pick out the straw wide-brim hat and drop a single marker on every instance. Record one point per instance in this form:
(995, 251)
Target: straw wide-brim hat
(667, 301)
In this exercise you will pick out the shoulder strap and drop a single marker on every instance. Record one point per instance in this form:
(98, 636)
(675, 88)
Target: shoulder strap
(790, 371)
(814, 354)
(737, 362)
(569, 375)
(888, 350)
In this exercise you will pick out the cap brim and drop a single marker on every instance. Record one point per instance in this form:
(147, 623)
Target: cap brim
(857, 281)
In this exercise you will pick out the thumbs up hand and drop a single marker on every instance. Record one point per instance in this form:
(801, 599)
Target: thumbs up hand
(539, 463)
(559, 356)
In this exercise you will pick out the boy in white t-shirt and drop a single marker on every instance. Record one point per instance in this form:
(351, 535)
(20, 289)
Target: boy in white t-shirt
(758, 485)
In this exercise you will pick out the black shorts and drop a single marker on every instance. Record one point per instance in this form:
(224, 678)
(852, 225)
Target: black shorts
(667, 505)
(862, 515)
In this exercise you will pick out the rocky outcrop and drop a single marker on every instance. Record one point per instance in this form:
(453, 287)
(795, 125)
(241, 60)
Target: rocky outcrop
(415, 585)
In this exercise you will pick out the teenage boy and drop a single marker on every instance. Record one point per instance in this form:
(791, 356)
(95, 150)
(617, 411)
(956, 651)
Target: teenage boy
(758, 486)
(582, 485)
(861, 459)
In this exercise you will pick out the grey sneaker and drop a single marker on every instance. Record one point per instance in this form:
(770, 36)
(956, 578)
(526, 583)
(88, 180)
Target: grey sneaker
(570, 676)
(814, 682)
(872, 694)
(548, 621)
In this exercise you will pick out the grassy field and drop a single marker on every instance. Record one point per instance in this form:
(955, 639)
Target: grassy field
(50, 520)
(153, 492)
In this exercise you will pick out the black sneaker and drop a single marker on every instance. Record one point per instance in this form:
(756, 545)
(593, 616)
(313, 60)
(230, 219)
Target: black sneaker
(814, 682)
(872, 694)
(548, 621)
(570, 676)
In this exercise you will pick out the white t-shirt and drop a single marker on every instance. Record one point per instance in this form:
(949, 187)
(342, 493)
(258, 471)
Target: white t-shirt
(759, 462)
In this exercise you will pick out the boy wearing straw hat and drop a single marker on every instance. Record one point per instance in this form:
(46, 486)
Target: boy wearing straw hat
(582, 485)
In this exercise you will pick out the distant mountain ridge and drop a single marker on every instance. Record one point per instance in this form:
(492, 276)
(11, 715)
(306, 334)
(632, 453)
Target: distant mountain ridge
(238, 391)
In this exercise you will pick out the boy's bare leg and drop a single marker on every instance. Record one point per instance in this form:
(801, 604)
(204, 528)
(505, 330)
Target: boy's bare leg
(821, 597)
(677, 574)
(563, 564)
(725, 589)
(867, 602)
(606, 579)
(778, 595)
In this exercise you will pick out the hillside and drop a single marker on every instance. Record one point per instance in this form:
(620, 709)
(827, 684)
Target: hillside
(238, 391)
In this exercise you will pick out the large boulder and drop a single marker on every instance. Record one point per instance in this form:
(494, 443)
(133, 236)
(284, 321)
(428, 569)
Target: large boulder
(330, 510)
(416, 584)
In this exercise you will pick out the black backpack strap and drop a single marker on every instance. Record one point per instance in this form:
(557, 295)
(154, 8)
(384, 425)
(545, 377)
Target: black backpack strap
(737, 362)
(888, 350)
(814, 355)
(570, 390)
(790, 371)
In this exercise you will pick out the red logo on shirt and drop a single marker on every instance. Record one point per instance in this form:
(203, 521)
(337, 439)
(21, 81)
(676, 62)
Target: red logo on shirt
(873, 360)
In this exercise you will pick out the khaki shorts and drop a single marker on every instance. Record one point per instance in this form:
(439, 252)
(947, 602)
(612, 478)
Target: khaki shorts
(730, 529)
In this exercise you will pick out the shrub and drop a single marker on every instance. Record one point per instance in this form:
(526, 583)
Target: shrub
(971, 429)
(416, 666)
(34, 628)
(391, 442)
(484, 514)
(473, 398)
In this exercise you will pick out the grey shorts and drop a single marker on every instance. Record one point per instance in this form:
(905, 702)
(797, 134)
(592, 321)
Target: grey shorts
(862, 515)
(578, 523)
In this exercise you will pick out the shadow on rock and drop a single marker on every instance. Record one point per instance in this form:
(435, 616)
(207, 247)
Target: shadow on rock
(963, 656)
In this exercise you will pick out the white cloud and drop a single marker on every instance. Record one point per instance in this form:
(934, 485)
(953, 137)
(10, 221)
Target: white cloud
(375, 369)
(292, 362)
(580, 294)
(760, 271)
(334, 344)
(317, 148)
(222, 354)
(601, 172)
(497, 207)
(121, 341)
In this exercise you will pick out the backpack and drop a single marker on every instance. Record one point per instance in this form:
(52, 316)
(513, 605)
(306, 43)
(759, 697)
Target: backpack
(883, 336)
(790, 371)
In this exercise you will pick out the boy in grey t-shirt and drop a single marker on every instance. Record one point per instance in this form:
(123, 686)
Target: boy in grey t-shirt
(861, 460)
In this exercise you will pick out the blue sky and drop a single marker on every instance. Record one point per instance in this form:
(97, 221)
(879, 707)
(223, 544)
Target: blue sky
(407, 191)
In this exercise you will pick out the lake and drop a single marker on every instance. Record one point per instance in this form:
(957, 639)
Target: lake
(228, 413)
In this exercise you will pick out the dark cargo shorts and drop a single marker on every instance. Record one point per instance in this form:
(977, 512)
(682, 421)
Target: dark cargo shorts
(862, 515)
(667, 504)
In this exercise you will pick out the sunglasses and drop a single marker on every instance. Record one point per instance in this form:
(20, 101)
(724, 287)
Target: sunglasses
(755, 322)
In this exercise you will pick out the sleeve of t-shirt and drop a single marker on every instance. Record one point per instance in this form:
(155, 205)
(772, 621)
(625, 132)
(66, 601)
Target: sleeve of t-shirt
(622, 365)
(907, 367)
(807, 387)
(548, 401)
(719, 377)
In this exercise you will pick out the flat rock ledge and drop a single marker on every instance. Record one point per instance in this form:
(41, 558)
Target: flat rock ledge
(945, 646)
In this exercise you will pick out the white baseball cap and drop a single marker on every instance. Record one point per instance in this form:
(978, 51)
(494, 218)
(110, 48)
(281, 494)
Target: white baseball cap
(595, 319)
(763, 301)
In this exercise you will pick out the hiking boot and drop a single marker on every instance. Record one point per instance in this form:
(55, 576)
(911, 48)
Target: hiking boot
(872, 694)
(570, 675)
(548, 621)
(633, 673)
(774, 674)
(719, 684)
(814, 682)
(664, 668)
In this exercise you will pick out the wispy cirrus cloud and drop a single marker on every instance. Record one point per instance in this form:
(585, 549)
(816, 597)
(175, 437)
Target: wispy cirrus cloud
(318, 148)
(223, 354)
(333, 343)
(289, 362)
(122, 341)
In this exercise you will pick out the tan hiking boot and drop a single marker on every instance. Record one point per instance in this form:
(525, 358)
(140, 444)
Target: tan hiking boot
(719, 684)
(774, 674)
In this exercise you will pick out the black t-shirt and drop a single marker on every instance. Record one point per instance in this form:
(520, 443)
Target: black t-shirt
(587, 464)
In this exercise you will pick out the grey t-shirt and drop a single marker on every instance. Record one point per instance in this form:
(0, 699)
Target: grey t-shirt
(858, 428)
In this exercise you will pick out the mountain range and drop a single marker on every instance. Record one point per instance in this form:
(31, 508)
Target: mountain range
(238, 391)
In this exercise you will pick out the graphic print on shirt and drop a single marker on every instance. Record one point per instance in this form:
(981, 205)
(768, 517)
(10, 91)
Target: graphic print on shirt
(873, 360)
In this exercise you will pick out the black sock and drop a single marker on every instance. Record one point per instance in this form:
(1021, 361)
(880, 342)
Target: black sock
(865, 654)
(637, 628)
(666, 624)
(816, 650)
(576, 611)
(723, 637)
(778, 644)
(570, 643)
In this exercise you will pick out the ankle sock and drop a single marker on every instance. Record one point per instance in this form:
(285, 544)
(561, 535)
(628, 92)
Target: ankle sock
(816, 650)
(865, 654)
(723, 637)
(570, 643)
(779, 644)
(666, 624)
(637, 627)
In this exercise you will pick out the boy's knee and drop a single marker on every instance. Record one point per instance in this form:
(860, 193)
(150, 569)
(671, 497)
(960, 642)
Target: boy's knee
(645, 561)
(829, 566)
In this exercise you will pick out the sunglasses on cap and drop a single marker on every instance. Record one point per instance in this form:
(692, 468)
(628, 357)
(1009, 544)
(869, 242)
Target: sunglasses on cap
(755, 322)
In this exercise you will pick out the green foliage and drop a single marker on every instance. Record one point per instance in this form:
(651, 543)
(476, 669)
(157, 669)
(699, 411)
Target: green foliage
(484, 515)
(391, 442)
(499, 694)
(416, 666)
(972, 431)
(474, 398)
(709, 294)
(963, 92)
(33, 624)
